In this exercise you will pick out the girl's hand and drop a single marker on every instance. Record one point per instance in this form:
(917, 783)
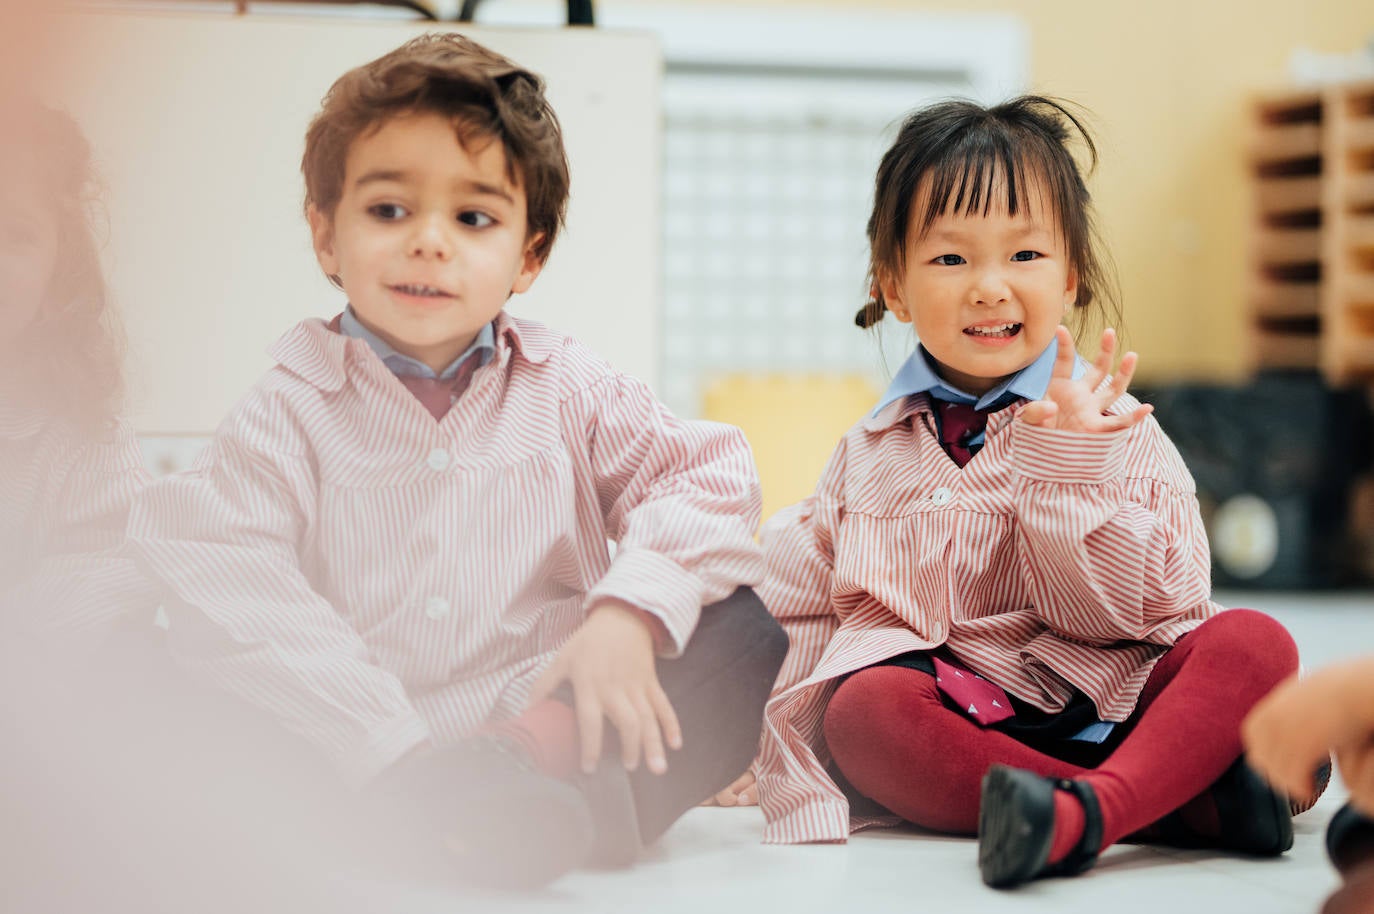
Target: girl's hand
(743, 791)
(610, 664)
(1077, 405)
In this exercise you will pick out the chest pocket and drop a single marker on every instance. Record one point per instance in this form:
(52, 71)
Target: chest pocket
(397, 538)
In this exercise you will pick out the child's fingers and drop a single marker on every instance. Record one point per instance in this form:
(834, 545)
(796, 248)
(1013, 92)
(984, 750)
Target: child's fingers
(1064, 357)
(1102, 364)
(1040, 412)
(667, 717)
(589, 715)
(630, 726)
(654, 754)
(1116, 423)
(1121, 381)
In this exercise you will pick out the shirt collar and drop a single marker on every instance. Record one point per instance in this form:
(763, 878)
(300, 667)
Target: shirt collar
(405, 366)
(917, 376)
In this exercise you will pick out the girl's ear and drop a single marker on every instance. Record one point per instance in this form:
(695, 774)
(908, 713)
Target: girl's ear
(322, 237)
(1071, 290)
(893, 297)
(530, 265)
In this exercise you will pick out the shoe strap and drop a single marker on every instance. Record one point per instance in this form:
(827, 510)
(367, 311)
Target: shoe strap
(1084, 854)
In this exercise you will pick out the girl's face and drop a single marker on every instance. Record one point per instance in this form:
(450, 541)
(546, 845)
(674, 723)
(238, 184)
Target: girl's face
(28, 256)
(984, 293)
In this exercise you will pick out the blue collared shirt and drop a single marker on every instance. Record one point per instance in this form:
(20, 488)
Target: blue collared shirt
(917, 376)
(484, 347)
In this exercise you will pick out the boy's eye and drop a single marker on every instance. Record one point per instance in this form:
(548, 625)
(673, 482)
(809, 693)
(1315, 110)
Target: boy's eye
(948, 260)
(475, 219)
(388, 212)
(1025, 255)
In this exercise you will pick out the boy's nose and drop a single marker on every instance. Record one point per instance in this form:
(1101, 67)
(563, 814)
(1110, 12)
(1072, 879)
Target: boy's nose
(431, 240)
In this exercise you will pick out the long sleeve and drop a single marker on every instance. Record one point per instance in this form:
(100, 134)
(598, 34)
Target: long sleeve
(224, 541)
(1110, 536)
(75, 494)
(799, 557)
(680, 499)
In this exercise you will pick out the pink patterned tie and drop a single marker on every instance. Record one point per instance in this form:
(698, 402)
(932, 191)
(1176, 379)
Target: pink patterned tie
(958, 423)
(984, 701)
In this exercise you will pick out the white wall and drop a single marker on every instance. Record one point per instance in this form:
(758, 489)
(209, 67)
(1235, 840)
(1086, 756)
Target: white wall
(197, 121)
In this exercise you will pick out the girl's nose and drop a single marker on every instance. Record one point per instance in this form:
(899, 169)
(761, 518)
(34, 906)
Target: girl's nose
(431, 238)
(990, 288)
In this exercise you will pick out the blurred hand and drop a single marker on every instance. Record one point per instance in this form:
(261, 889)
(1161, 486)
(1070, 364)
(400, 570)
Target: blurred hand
(610, 664)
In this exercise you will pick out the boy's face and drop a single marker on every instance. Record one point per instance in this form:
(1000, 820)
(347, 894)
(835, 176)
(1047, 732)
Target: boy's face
(428, 238)
(985, 293)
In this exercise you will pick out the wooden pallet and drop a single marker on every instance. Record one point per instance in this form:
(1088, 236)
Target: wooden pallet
(1311, 293)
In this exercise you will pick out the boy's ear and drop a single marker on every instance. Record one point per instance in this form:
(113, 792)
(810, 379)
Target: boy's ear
(893, 298)
(322, 237)
(530, 265)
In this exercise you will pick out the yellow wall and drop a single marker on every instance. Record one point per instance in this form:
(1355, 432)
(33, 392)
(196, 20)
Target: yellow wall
(1168, 82)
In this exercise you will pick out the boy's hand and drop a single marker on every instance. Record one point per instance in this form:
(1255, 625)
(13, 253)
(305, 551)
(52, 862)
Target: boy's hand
(610, 665)
(743, 791)
(1077, 405)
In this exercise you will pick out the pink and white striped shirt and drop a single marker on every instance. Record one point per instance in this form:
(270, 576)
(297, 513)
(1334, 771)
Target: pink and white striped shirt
(64, 501)
(376, 578)
(1051, 560)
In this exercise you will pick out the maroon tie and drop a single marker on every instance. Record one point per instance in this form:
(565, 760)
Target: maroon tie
(958, 423)
(980, 699)
(439, 394)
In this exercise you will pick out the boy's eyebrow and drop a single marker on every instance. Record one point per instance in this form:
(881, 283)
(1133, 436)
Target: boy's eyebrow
(379, 175)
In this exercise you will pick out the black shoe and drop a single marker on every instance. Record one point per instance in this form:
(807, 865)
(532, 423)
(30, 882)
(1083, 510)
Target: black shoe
(1350, 839)
(1252, 817)
(1016, 827)
(506, 824)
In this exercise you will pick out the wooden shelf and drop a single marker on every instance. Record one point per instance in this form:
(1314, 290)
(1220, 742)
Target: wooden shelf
(1283, 196)
(1311, 295)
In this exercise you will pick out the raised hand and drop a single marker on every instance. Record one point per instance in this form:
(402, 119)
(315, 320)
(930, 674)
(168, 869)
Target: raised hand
(1076, 405)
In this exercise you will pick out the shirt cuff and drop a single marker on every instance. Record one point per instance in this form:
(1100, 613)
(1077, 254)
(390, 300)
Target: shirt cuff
(1081, 458)
(657, 586)
(385, 746)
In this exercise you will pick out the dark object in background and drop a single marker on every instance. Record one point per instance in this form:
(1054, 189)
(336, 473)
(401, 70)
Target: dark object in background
(1274, 461)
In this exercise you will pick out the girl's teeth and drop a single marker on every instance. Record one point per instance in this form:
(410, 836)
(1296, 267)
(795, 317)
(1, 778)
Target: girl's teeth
(998, 330)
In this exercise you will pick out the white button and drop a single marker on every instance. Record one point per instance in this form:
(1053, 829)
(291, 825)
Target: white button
(438, 459)
(437, 607)
(941, 496)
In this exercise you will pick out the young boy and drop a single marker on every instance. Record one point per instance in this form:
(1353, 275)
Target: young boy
(398, 542)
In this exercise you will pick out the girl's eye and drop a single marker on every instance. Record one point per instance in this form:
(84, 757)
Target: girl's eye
(475, 219)
(948, 260)
(1025, 255)
(387, 212)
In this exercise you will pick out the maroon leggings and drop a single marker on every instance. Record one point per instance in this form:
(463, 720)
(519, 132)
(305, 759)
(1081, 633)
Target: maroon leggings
(896, 742)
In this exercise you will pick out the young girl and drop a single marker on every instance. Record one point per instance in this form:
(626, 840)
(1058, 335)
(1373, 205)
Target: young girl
(998, 597)
(68, 467)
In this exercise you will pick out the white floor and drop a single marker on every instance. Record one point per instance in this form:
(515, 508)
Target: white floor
(711, 862)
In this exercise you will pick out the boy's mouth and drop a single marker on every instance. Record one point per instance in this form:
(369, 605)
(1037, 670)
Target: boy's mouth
(420, 290)
(995, 331)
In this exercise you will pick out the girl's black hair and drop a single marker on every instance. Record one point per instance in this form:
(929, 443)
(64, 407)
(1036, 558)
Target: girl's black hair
(965, 150)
